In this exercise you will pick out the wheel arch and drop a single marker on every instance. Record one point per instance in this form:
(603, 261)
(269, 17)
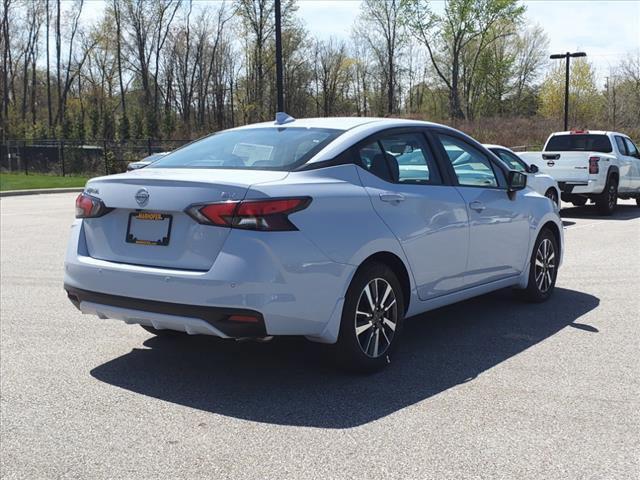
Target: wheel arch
(556, 233)
(396, 264)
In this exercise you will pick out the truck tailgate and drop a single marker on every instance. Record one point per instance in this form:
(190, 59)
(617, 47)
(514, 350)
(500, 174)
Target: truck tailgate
(562, 166)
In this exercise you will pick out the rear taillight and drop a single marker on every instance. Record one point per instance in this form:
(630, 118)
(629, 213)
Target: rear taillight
(266, 215)
(593, 164)
(89, 207)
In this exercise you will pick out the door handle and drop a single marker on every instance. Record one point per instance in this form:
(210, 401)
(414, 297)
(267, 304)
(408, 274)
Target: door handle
(477, 206)
(391, 197)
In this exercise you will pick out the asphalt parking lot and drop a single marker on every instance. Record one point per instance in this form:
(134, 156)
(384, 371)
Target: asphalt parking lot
(490, 388)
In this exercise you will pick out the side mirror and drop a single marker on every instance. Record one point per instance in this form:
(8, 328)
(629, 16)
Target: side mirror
(516, 181)
(533, 168)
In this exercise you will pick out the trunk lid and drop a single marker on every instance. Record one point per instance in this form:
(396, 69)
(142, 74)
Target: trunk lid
(190, 246)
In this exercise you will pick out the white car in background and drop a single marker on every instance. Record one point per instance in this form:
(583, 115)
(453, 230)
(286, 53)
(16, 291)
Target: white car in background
(540, 182)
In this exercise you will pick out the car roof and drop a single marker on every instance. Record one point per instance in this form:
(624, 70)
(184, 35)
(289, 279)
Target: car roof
(354, 130)
(338, 123)
(490, 145)
(582, 132)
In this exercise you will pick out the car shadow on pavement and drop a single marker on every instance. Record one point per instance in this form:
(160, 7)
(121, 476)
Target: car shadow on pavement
(588, 212)
(291, 381)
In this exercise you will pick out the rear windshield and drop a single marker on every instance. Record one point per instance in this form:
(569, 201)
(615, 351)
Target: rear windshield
(579, 143)
(251, 149)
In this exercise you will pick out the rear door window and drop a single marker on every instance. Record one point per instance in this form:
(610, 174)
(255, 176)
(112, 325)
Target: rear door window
(632, 151)
(410, 158)
(371, 157)
(621, 146)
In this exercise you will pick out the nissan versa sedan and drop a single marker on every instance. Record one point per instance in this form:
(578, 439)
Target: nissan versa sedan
(335, 229)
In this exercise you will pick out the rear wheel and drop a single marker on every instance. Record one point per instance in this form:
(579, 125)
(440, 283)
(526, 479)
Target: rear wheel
(544, 268)
(552, 195)
(372, 319)
(607, 201)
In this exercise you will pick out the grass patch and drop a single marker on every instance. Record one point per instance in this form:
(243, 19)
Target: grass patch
(20, 181)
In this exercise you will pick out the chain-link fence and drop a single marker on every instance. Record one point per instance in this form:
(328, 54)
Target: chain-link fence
(73, 157)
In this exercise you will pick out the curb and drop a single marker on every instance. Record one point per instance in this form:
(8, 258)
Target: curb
(38, 191)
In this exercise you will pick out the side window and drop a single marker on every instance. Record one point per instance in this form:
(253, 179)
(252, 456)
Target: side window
(621, 145)
(631, 148)
(471, 166)
(410, 159)
(372, 158)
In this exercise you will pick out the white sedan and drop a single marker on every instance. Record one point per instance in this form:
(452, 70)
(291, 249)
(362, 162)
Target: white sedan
(541, 182)
(335, 229)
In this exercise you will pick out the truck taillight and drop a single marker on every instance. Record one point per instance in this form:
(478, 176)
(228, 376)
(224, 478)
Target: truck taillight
(88, 206)
(593, 164)
(266, 215)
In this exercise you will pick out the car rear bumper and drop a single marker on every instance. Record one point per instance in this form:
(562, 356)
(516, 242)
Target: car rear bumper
(282, 279)
(192, 319)
(590, 187)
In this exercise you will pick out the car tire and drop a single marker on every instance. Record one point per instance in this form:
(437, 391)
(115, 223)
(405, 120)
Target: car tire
(162, 333)
(372, 319)
(638, 201)
(608, 199)
(579, 202)
(543, 268)
(552, 195)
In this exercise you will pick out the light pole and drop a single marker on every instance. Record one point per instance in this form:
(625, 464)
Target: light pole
(279, 86)
(567, 56)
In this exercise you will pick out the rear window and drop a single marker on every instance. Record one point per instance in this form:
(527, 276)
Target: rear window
(251, 149)
(579, 143)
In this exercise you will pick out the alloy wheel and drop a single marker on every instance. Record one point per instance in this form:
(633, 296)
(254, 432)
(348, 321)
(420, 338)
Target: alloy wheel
(612, 196)
(376, 317)
(545, 265)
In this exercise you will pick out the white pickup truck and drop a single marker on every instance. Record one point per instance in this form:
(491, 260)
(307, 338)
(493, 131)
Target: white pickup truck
(591, 165)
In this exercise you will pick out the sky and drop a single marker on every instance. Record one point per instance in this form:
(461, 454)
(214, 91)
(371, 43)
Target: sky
(606, 30)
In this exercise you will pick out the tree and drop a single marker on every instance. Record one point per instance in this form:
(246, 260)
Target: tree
(456, 40)
(627, 89)
(382, 25)
(585, 101)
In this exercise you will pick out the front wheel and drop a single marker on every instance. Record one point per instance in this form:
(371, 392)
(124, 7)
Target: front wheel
(543, 270)
(372, 319)
(552, 195)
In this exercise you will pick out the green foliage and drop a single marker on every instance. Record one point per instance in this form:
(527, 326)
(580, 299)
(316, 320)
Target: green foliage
(123, 128)
(585, 101)
(108, 126)
(79, 128)
(137, 131)
(94, 123)
(20, 181)
(189, 68)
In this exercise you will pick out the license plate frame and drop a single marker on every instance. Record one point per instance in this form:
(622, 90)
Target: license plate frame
(145, 216)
